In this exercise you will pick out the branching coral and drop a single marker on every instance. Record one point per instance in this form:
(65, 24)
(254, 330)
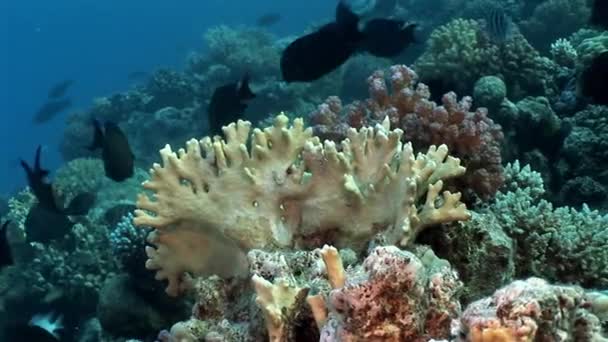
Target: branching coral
(471, 136)
(289, 190)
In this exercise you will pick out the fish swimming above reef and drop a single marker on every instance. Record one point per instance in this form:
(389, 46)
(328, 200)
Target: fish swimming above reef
(314, 55)
(594, 80)
(6, 255)
(387, 37)
(118, 159)
(43, 225)
(51, 109)
(59, 89)
(499, 25)
(599, 14)
(228, 103)
(268, 19)
(42, 189)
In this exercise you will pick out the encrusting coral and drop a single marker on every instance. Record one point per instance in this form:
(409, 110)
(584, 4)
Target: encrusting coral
(291, 191)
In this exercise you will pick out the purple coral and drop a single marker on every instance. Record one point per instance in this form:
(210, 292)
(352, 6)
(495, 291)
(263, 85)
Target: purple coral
(393, 296)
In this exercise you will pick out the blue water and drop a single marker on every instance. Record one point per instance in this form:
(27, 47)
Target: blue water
(98, 43)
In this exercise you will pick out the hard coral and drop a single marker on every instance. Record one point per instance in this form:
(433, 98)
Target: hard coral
(472, 136)
(394, 296)
(289, 190)
(534, 310)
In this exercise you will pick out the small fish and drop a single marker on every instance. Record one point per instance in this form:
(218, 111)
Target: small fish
(50, 110)
(499, 25)
(594, 80)
(6, 255)
(388, 37)
(314, 55)
(80, 204)
(42, 189)
(599, 14)
(44, 225)
(268, 19)
(59, 89)
(116, 153)
(228, 103)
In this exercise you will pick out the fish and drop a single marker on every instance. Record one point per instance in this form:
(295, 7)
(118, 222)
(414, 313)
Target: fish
(228, 103)
(59, 89)
(594, 80)
(50, 109)
(268, 19)
(37, 181)
(599, 14)
(499, 25)
(118, 159)
(6, 255)
(43, 225)
(314, 55)
(81, 204)
(387, 37)
(28, 332)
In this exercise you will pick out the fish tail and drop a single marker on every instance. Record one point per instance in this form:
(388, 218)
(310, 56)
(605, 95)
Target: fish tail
(245, 92)
(97, 136)
(410, 32)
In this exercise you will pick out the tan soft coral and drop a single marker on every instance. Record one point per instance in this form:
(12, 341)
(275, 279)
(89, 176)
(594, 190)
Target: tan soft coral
(289, 190)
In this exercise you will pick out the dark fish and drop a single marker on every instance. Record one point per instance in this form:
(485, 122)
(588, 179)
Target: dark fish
(31, 333)
(137, 75)
(81, 204)
(228, 103)
(599, 14)
(6, 256)
(314, 55)
(113, 215)
(50, 109)
(115, 151)
(387, 37)
(36, 179)
(43, 225)
(499, 25)
(59, 89)
(268, 19)
(594, 80)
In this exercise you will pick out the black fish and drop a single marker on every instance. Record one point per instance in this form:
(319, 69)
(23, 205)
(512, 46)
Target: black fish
(43, 225)
(594, 80)
(599, 14)
(268, 19)
(228, 104)
(59, 89)
(50, 109)
(6, 256)
(387, 37)
(499, 25)
(36, 179)
(115, 151)
(314, 55)
(27, 332)
(80, 204)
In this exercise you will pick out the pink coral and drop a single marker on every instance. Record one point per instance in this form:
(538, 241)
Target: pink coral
(473, 136)
(394, 296)
(532, 310)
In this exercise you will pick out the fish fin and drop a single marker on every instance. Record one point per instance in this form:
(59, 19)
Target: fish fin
(5, 227)
(97, 136)
(410, 32)
(80, 204)
(26, 167)
(244, 92)
(345, 17)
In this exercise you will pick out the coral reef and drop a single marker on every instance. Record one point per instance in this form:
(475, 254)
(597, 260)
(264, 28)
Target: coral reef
(289, 190)
(471, 136)
(534, 310)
